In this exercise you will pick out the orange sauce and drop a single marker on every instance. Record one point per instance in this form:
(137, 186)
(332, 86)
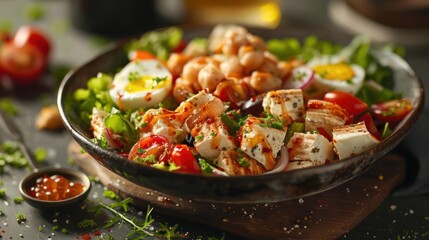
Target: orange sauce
(55, 188)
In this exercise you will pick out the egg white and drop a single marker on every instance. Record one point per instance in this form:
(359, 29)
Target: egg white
(147, 97)
(351, 85)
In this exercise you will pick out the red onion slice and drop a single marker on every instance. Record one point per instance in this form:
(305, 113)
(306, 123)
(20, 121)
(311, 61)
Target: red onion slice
(301, 77)
(282, 162)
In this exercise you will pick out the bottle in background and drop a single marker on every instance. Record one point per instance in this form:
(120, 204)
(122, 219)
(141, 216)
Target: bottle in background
(262, 13)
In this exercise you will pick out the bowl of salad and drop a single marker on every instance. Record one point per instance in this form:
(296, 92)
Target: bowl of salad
(230, 114)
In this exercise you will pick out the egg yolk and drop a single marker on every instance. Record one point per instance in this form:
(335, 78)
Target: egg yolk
(146, 83)
(336, 71)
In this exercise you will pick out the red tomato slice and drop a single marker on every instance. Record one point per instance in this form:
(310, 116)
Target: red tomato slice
(183, 157)
(151, 150)
(180, 47)
(392, 111)
(353, 105)
(370, 125)
(34, 36)
(25, 64)
(141, 55)
(324, 133)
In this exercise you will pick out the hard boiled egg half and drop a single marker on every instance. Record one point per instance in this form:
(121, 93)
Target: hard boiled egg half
(141, 83)
(333, 73)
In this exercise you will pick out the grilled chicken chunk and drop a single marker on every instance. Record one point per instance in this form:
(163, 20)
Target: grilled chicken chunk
(324, 114)
(238, 164)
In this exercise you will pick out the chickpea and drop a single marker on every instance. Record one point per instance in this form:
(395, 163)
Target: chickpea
(182, 90)
(176, 61)
(257, 42)
(264, 81)
(209, 77)
(285, 69)
(193, 67)
(250, 58)
(234, 39)
(268, 65)
(231, 67)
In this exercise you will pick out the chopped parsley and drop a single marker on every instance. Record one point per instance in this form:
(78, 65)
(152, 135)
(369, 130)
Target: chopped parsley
(299, 76)
(140, 150)
(158, 80)
(2, 192)
(87, 223)
(272, 122)
(133, 76)
(110, 194)
(199, 138)
(151, 159)
(243, 161)
(34, 12)
(20, 217)
(40, 154)
(102, 142)
(8, 106)
(18, 200)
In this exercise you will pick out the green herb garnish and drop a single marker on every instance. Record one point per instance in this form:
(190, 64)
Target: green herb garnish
(34, 12)
(8, 106)
(18, 200)
(40, 154)
(87, 223)
(110, 194)
(20, 217)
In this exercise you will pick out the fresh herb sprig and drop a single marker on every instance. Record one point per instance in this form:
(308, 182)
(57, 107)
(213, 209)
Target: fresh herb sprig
(139, 229)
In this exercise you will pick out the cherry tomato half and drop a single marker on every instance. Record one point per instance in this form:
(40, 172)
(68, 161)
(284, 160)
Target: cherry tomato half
(370, 125)
(151, 150)
(180, 47)
(141, 55)
(183, 157)
(392, 111)
(33, 36)
(353, 105)
(25, 64)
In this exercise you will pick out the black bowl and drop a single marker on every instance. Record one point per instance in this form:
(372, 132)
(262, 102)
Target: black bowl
(238, 189)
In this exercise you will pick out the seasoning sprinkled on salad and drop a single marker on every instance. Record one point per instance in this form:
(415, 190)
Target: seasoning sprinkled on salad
(235, 104)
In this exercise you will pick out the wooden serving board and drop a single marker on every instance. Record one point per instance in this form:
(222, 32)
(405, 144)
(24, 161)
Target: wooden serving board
(327, 215)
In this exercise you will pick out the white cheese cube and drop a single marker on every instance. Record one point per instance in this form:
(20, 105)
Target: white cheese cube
(211, 138)
(288, 104)
(352, 139)
(310, 147)
(261, 142)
